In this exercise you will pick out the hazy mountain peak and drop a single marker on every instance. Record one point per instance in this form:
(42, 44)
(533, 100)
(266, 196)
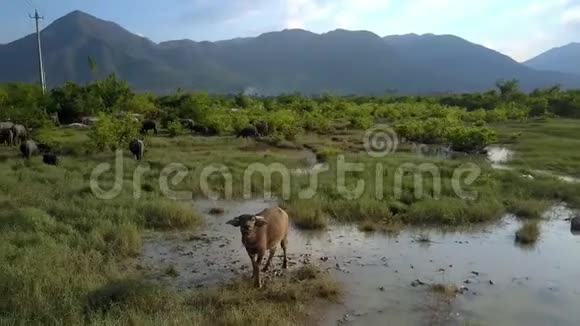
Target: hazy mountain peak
(340, 32)
(339, 61)
(294, 32)
(79, 19)
(412, 37)
(565, 59)
(81, 25)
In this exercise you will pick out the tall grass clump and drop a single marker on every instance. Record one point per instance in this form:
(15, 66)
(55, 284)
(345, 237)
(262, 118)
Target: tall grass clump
(528, 208)
(453, 211)
(164, 214)
(307, 214)
(445, 211)
(281, 302)
(528, 233)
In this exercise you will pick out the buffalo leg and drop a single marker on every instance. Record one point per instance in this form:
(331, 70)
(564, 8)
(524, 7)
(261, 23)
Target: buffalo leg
(272, 252)
(284, 245)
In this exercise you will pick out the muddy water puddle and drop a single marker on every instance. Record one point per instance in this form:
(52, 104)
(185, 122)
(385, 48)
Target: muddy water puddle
(387, 278)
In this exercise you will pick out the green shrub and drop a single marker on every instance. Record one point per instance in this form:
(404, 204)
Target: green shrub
(317, 121)
(174, 128)
(361, 122)
(221, 121)
(471, 139)
(111, 133)
(46, 136)
(285, 123)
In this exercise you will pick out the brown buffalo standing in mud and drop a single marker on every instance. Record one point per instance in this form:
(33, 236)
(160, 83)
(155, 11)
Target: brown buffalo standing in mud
(260, 232)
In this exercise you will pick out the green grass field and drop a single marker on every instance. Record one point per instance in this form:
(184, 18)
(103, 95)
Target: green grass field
(64, 254)
(553, 145)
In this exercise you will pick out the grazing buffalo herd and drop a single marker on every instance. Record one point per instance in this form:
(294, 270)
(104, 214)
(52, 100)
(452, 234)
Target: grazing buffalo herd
(12, 134)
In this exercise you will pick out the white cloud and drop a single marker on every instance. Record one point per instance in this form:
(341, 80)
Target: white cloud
(352, 12)
(333, 13)
(537, 8)
(571, 17)
(300, 13)
(535, 28)
(524, 49)
(521, 29)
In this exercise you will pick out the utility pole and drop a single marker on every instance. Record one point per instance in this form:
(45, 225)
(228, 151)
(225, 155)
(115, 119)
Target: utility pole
(36, 17)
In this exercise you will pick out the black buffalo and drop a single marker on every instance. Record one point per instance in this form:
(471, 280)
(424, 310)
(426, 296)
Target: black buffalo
(205, 131)
(149, 125)
(248, 132)
(43, 148)
(6, 137)
(137, 148)
(50, 159)
(28, 148)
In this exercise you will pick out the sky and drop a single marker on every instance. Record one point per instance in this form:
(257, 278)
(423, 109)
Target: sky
(519, 28)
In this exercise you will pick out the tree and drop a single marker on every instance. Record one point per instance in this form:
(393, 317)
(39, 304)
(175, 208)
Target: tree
(285, 123)
(92, 66)
(195, 106)
(113, 92)
(111, 133)
(471, 139)
(72, 101)
(538, 106)
(243, 101)
(141, 103)
(508, 90)
(174, 128)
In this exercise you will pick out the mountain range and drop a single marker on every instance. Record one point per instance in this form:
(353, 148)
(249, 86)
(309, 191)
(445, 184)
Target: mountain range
(340, 61)
(563, 59)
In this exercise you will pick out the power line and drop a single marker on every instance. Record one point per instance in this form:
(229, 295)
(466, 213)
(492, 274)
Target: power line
(30, 4)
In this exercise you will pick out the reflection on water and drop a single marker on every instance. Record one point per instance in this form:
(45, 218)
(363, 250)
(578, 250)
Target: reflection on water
(507, 285)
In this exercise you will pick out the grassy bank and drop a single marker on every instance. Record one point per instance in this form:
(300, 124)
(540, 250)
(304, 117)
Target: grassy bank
(538, 144)
(550, 144)
(492, 194)
(281, 302)
(58, 243)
